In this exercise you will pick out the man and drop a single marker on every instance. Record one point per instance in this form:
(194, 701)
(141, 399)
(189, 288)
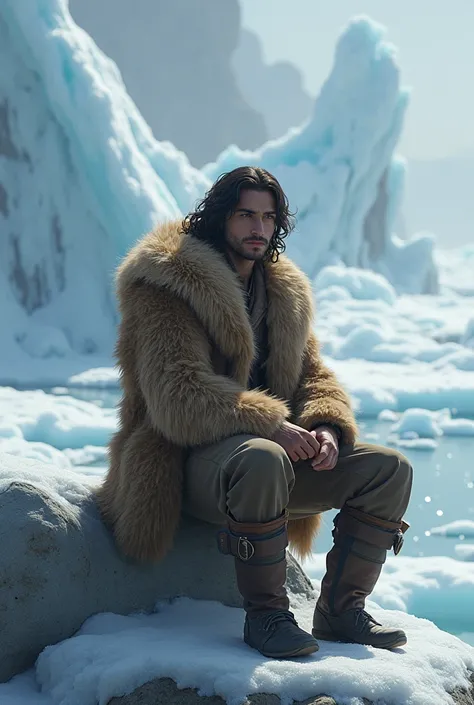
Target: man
(229, 413)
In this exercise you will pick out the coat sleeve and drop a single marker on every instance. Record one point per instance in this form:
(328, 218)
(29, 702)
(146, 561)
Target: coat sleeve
(320, 399)
(186, 401)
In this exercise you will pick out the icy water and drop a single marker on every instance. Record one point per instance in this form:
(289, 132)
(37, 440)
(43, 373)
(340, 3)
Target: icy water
(443, 489)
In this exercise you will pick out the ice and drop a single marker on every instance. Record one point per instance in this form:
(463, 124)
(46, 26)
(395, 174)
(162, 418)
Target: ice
(102, 180)
(468, 335)
(461, 527)
(457, 427)
(97, 377)
(61, 422)
(420, 421)
(339, 172)
(85, 179)
(436, 588)
(420, 428)
(464, 551)
(387, 415)
(456, 269)
(413, 443)
(360, 284)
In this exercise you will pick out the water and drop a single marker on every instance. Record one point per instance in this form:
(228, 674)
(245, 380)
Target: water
(443, 491)
(443, 488)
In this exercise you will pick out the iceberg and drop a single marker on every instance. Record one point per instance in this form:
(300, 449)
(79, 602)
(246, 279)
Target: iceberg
(339, 171)
(82, 177)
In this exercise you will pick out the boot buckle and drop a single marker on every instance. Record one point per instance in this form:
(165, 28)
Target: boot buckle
(398, 541)
(245, 549)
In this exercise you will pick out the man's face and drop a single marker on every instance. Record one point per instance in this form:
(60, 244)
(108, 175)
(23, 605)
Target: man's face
(249, 229)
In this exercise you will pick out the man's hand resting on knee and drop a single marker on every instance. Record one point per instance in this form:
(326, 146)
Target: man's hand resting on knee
(319, 446)
(329, 448)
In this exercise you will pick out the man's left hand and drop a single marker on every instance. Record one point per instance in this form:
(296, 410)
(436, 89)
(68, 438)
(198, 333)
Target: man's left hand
(329, 450)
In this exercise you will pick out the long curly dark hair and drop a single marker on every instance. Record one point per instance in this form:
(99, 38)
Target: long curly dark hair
(207, 222)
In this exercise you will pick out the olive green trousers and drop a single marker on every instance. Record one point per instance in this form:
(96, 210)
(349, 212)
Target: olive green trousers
(254, 480)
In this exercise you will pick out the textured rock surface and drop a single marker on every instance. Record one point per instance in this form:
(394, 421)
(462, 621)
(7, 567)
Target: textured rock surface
(59, 565)
(164, 690)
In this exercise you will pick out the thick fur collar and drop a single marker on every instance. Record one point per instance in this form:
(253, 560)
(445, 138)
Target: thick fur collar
(197, 273)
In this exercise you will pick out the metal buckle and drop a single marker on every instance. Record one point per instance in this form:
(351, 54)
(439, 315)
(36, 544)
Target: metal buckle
(245, 549)
(398, 541)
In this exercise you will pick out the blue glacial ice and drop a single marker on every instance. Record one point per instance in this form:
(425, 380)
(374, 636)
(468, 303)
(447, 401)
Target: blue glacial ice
(83, 178)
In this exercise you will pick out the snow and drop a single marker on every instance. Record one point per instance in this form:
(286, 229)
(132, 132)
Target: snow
(387, 416)
(436, 588)
(420, 422)
(340, 174)
(87, 179)
(98, 377)
(400, 353)
(101, 180)
(468, 336)
(360, 284)
(199, 645)
(37, 422)
(456, 268)
(465, 551)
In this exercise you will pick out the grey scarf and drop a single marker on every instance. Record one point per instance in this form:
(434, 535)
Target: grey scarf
(257, 305)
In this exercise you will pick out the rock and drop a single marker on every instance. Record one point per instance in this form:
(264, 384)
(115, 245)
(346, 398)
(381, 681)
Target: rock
(59, 565)
(164, 690)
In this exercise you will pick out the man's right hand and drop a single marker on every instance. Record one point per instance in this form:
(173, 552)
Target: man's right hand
(298, 443)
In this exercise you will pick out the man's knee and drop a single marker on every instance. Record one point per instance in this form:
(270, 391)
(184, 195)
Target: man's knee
(266, 460)
(397, 464)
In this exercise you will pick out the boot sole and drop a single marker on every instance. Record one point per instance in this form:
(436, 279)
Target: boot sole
(330, 636)
(303, 651)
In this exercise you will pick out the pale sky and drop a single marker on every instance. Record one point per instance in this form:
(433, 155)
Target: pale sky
(435, 41)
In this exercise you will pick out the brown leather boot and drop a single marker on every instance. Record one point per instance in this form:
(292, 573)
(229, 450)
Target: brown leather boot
(353, 568)
(260, 566)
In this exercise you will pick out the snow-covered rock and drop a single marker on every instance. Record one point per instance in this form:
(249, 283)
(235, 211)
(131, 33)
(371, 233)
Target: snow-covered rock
(200, 647)
(165, 690)
(59, 565)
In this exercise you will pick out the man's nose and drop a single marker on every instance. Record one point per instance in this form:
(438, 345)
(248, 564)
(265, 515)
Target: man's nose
(257, 227)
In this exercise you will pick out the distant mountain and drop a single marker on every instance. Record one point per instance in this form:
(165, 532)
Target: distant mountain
(175, 59)
(439, 197)
(275, 90)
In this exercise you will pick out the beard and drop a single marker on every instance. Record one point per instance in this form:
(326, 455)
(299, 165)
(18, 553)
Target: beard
(243, 250)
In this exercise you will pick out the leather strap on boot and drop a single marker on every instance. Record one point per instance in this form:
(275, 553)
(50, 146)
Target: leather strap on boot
(354, 563)
(387, 534)
(255, 543)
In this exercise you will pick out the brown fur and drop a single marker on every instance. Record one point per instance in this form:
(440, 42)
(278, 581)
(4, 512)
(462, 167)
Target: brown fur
(179, 300)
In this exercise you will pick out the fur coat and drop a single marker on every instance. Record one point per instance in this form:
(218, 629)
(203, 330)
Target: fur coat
(179, 301)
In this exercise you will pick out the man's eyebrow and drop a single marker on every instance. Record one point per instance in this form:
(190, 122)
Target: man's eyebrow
(249, 210)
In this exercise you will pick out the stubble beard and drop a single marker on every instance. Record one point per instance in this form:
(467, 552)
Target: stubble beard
(241, 251)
